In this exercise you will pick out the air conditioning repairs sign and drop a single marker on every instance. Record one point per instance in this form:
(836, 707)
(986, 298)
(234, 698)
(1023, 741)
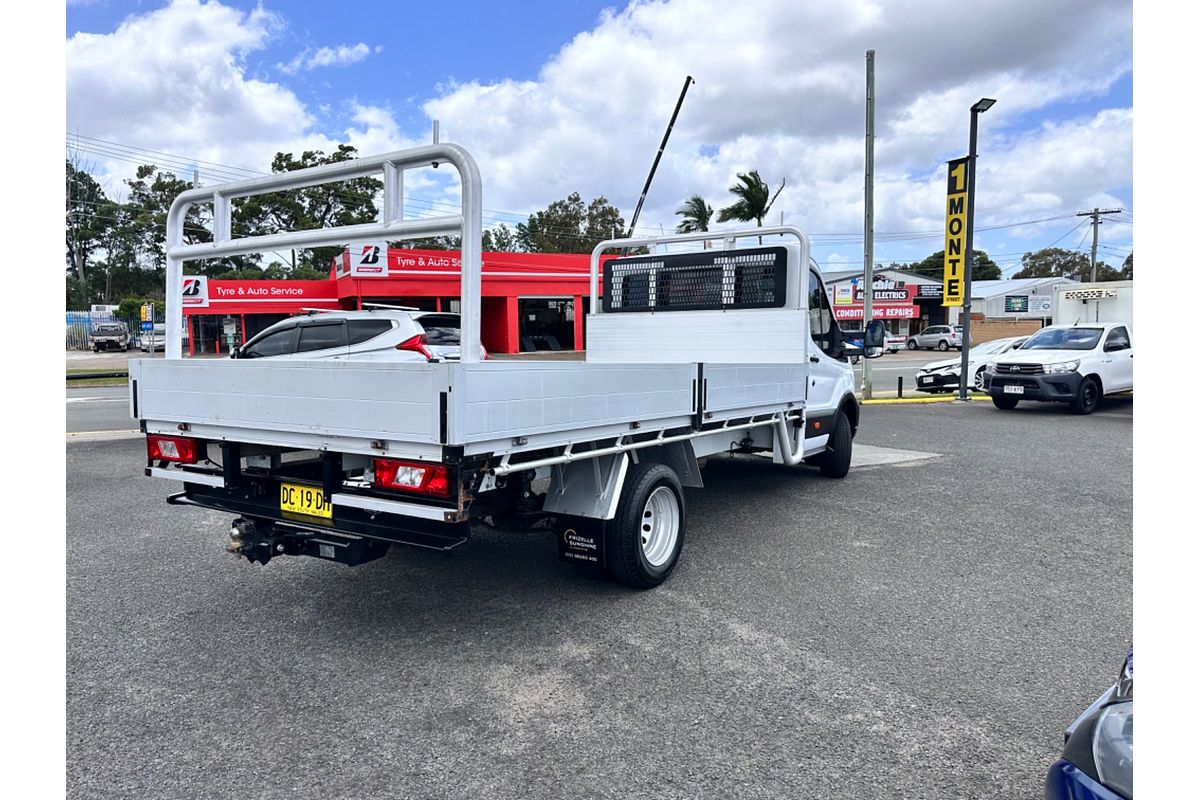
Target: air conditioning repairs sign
(954, 270)
(368, 260)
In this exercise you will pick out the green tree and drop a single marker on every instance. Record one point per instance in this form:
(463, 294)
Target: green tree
(696, 213)
(754, 199)
(1127, 267)
(349, 202)
(568, 226)
(86, 219)
(1054, 262)
(933, 266)
(151, 193)
(500, 239)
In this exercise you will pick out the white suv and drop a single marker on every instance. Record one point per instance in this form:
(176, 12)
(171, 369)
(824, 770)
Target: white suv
(374, 335)
(941, 337)
(1075, 364)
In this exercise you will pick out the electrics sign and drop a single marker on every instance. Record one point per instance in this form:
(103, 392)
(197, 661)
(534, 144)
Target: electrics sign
(954, 270)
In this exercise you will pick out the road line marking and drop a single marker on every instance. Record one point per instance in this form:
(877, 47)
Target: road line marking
(883, 401)
(102, 436)
(97, 399)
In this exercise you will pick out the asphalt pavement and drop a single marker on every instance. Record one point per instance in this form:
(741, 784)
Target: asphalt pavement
(920, 630)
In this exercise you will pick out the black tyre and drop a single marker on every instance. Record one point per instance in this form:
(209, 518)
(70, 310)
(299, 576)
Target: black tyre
(835, 461)
(943, 345)
(1004, 402)
(1087, 399)
(643, 541)
(912, 344)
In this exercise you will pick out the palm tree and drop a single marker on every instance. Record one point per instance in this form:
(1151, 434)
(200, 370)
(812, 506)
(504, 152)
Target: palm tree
(754, 200)
(696, 215)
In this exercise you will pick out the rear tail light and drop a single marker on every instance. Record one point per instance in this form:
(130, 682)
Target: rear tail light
(179, 449)
(417, 344)
(412, 476)
(485, 352)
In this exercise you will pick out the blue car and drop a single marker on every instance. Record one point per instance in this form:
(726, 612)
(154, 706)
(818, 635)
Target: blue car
(1097, 759)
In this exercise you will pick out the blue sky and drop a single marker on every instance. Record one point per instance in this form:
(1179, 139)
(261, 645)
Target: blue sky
(564, 96)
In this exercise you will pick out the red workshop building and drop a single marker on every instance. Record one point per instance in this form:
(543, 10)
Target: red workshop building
(531, 301)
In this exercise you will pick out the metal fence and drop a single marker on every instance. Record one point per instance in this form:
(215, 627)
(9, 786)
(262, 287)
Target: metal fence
(80, 325)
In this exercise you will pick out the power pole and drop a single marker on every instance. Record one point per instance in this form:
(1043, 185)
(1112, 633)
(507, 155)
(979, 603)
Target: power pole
(868, 219)
(1095, 214)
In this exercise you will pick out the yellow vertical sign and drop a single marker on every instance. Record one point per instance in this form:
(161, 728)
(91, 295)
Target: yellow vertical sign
(954, 268)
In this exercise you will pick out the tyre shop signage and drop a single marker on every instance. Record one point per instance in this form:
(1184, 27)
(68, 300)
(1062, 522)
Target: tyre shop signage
(1039, 303)
(954, 269)
(368, 260)
(195, 291)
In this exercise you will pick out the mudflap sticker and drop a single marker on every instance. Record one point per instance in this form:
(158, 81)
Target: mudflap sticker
(581, 541)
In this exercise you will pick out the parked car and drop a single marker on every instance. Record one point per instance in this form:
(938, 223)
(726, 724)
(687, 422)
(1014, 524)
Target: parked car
(942, 376)
(371, 335)
(1097, 758)
(1074, 364)
(892, 342)
(110, 336)
(156, 340)
(940, 337)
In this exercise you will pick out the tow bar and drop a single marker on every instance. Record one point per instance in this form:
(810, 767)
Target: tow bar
(259, 540)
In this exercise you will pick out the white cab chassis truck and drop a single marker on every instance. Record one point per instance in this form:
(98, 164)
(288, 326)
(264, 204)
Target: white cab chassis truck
(689, 354)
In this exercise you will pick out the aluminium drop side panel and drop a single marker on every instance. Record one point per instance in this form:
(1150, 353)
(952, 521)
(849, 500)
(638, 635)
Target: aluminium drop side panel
(745, 336)
(754, 388)
(496, 401)
(364, 400)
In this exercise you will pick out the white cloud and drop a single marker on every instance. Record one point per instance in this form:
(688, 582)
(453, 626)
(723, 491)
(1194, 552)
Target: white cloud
(340, 56)
(781, 89)
(174, 80)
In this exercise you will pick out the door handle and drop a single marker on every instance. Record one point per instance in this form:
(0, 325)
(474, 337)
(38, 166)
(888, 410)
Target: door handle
(814, 360)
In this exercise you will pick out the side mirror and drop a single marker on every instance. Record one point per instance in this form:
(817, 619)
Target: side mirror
(873, 339)
(235, 352)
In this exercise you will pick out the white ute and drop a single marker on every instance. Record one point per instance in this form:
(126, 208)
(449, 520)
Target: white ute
(1073, 364)
(728, 350)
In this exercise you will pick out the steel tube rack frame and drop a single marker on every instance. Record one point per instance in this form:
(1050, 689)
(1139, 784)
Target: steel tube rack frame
(392, 226)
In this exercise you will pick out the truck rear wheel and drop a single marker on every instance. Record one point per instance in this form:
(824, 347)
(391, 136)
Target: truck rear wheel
(645, 537)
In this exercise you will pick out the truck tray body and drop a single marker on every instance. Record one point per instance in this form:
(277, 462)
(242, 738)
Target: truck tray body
(415, 410)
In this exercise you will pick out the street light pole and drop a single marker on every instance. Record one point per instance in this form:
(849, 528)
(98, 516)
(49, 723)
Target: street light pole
(963, 378)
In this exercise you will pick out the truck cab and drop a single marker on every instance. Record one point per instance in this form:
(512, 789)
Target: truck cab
(1074, 364)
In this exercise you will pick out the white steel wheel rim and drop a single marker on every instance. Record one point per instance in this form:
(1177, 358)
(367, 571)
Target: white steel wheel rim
(659, 526)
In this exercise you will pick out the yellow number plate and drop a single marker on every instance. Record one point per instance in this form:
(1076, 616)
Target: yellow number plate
(308, 500)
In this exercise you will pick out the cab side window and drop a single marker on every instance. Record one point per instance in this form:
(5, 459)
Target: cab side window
(1118, 339)
(820, 315)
